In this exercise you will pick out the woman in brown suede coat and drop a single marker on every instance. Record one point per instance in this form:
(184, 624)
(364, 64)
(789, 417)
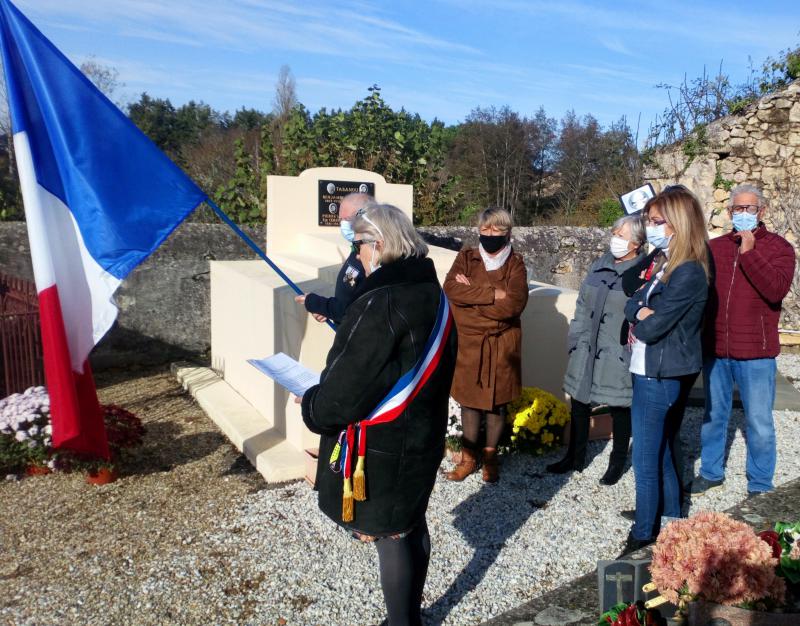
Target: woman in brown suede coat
(488, 289)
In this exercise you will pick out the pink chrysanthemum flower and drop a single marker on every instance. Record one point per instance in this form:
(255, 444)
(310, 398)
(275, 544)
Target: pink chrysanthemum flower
(715, 558)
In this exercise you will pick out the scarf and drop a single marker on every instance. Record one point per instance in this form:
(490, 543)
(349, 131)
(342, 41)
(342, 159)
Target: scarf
(494, 262)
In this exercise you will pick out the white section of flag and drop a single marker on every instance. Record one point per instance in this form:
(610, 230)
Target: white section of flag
(60, 258)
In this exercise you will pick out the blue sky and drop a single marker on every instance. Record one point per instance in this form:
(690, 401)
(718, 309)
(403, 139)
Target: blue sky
(439, 58)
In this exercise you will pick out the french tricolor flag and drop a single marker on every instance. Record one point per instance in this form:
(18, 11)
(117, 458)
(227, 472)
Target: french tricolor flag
(99, 198)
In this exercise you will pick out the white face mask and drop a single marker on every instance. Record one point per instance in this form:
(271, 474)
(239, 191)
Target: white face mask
(374, 266)
(619, 247)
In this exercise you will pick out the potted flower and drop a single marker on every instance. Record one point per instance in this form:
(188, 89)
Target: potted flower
(712, 566)
(123, 430)
(631, 614)
(452, 440)
(537, 420)
(788, 539)
(26, 438)
(25, 432)
(100, 472)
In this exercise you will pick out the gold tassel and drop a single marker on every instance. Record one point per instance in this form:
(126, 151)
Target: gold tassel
(347, 502)
(359, 481)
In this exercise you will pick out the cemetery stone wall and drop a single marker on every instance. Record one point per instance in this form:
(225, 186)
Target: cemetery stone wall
(758, 146)
(164, 303)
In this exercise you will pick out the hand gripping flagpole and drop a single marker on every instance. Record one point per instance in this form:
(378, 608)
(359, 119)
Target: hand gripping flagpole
(223, 216)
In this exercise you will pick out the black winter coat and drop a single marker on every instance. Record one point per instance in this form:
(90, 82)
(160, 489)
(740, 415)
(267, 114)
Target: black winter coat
(380, 338)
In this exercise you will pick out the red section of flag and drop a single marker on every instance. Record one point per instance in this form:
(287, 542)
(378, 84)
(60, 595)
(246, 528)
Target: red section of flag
(77, 418)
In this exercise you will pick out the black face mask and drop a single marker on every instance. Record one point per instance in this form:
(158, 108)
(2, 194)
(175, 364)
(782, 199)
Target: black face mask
(493, 243)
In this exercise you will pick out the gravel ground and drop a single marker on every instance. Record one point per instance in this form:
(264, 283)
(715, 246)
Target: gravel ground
(192, 535)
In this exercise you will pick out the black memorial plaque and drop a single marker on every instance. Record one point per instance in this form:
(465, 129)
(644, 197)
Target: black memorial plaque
(331, 194)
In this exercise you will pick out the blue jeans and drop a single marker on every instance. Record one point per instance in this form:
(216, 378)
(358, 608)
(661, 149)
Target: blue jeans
(755, 379)
(656, 416)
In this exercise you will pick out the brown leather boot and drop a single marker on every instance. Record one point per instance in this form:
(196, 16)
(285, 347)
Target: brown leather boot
(490, 469)
(468, 464)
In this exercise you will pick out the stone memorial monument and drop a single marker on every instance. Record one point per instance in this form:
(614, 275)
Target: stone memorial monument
(254, 315)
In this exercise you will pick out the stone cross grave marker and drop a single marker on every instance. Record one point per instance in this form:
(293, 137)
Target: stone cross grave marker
(622, 581)
(616, 580)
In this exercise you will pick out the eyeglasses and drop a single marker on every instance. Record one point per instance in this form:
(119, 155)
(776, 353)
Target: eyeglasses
(752, 209)
(360, 242)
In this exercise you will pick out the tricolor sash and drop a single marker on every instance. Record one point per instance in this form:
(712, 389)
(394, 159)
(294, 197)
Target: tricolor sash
(388, 409)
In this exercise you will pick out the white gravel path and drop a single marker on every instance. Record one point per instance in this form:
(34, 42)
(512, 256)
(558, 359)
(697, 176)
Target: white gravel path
(494, 546)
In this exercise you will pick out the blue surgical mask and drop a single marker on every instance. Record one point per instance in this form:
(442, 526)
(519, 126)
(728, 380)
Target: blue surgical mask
(744, 221)
(657, 238)
(347, 230)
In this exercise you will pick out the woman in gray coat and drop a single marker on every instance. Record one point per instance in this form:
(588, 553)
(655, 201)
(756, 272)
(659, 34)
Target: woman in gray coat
(597, 372)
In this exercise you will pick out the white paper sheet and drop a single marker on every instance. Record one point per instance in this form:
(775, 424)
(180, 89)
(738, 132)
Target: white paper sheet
(287, 372)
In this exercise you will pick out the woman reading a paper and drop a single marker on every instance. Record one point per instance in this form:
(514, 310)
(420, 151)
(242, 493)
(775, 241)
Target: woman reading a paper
(381, 405)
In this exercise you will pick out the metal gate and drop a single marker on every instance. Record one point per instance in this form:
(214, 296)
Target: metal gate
(20, 340)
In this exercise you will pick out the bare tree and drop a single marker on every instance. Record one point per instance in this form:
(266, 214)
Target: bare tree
(577, 163)
(693, 104)
(542, 137)
(620, 166)
(105, 78)
(5, 127)
(10, 198)
(285, 93)
(283, 104)
(495, 156)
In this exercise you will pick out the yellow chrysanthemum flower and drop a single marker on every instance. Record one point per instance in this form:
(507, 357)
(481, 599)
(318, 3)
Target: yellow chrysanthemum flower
(531, 417)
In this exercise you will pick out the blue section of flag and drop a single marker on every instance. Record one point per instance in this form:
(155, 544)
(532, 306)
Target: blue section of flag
(125, 194)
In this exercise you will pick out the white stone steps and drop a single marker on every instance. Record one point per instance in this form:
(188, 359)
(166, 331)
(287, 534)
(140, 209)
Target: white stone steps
(252, 433)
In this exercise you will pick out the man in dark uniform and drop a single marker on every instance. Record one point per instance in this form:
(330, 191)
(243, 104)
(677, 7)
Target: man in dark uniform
(351, 274)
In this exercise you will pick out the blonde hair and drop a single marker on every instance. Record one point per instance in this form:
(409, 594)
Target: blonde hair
(387, 223)
(497, 218)
(683, 212)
